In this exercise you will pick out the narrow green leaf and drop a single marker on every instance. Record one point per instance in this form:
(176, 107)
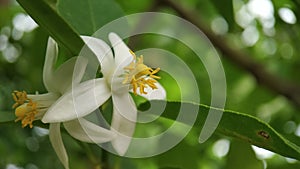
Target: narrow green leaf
(48, 19)
(234, 124)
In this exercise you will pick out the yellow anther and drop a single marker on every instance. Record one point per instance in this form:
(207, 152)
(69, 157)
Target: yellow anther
(139, 75)
(19, 97)
(26, 109)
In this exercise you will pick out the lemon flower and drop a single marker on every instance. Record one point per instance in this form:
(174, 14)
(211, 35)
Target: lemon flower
(59, 98)
(122, 72)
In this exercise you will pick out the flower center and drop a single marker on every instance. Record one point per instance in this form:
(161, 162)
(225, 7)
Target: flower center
(26, 109)
(139, 75)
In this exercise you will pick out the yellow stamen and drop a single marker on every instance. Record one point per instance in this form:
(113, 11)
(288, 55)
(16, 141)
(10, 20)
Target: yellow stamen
(19, 97)
(26, 109)
(139, 75)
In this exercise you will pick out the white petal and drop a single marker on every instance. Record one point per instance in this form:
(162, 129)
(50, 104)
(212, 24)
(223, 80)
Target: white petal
(102, 51)
(82, 100)
(122, 55)
(154, 94)
(44, 98)
(117, 86)
(43, 102)
(123, 122)
(57, 144)
(63, 76)
(125, 105)
(50, 60)
(61, 79)
(86, 131)
(79, 69)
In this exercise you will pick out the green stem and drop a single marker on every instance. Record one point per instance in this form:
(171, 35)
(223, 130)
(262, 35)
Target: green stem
(91, 156)
(104, 159)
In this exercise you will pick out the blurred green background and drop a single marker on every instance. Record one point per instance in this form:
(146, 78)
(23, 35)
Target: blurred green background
(267, 31)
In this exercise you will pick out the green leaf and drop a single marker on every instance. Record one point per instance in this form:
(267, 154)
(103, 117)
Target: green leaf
(48, 19)
(241, 155)
(234, 124)
(172, 160)
(87, 16)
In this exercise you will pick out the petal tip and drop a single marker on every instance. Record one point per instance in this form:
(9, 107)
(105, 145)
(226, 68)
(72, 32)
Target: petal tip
(112, 35)
(114, 38)
(120, 148)
(46, 119)
(49, 118)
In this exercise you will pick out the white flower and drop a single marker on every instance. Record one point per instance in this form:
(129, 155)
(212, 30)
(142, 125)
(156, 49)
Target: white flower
(59, 98)
(122, 73)
(129, 73)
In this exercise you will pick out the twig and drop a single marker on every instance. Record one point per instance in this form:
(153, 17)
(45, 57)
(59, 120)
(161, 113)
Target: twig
(263, 77)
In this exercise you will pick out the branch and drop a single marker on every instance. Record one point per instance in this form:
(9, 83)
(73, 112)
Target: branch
(263, 77)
